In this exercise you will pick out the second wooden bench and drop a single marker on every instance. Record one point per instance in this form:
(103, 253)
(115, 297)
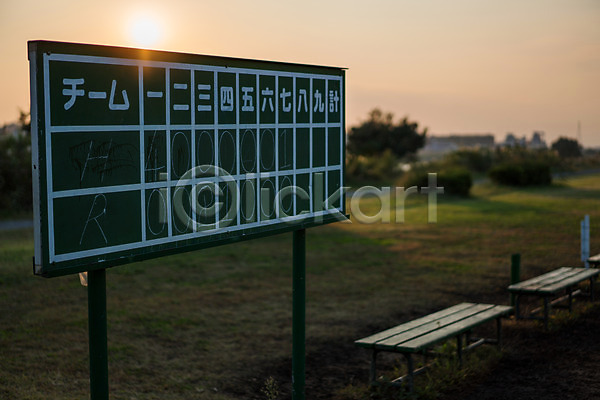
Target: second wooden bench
(549, 286)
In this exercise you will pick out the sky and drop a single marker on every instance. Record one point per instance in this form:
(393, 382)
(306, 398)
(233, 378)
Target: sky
(461, 66)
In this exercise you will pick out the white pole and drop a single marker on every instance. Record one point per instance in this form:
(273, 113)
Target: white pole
(585, 240)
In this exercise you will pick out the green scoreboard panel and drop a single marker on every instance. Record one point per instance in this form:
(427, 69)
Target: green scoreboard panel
(138, 153)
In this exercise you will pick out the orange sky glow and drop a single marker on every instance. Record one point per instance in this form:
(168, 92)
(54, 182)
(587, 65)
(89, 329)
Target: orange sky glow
(466, 66)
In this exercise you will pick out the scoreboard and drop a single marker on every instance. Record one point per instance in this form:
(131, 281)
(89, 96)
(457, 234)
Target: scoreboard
(138, 154)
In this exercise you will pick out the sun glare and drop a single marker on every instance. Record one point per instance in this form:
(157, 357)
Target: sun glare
(145, 30)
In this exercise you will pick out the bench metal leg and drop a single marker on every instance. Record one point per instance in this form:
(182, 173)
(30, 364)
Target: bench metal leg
(499, 332)
(373, 372)
(517, 306)
(459, 350)
(411, 371)
(570, 299)
(592, 280)
(546, 311)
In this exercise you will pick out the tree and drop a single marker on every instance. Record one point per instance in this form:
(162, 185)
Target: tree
(567, 148)
(15, 168)
(25, 122)
(379, 133)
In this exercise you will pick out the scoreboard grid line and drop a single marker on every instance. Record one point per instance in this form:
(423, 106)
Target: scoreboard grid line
(142, 153)
(342, 143)
(326, 94)
(276, 141)
(182, 66)
(49, 183)
(257, 186)
(216, 144)
(193, 144)
(168, 146)
(136, 127)
(294, 199)
(310, 147)
(238, 153)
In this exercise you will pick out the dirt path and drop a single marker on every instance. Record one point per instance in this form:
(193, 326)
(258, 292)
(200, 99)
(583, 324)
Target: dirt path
(15, 224)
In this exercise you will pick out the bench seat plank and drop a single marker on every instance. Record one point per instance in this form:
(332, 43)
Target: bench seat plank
(541, 278)
(369, 341)
(393, 341)
(554, 281)
(544, 280)
(581, 276)
(462, 326)
(573, 272)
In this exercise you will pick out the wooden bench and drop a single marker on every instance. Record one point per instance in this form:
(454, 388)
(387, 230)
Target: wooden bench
(420, 335)
(594, 260)
(551, 285)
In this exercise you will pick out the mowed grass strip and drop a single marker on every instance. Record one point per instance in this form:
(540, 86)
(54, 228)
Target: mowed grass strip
(216, 324)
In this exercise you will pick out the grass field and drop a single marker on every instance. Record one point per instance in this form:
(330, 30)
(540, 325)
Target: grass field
(216, 324)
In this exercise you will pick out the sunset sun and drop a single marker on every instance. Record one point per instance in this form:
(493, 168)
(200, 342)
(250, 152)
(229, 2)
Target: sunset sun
(145, 30)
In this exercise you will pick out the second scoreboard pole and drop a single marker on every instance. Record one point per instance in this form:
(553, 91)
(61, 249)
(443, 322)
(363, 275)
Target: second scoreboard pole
(299, 314)
(98, 334)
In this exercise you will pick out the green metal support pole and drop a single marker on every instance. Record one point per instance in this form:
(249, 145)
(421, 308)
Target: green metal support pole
(298, 314)
(97, 334)
(515, 274)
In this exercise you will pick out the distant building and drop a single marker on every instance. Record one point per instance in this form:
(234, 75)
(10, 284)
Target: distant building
(512, 141)
(437, 146)
(537, 141)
